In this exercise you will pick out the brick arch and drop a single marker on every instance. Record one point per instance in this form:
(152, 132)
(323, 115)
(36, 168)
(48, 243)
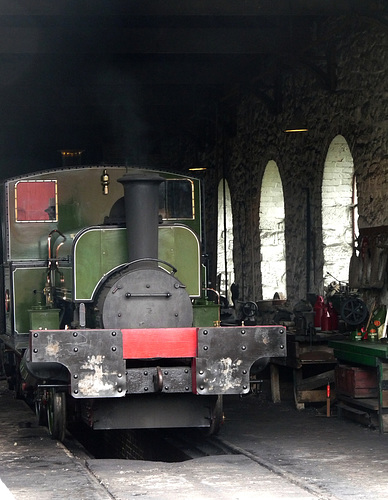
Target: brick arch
(337, 210)
(272, 237)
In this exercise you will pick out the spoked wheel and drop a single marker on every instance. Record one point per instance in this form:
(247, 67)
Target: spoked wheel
(56, 414)
(250, 309)
(354, 311)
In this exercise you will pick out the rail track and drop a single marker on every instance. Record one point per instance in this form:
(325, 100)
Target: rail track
(296, 460)
(183, 450)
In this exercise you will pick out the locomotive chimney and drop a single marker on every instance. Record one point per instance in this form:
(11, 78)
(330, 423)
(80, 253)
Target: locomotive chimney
(141, 195)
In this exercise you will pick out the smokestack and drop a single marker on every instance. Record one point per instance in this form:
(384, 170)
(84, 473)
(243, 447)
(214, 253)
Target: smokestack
(141, 195)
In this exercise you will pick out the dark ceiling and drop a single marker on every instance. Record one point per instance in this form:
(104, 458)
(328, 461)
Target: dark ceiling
(122, 79)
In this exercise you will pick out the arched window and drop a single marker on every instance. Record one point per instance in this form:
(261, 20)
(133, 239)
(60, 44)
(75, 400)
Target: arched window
(273, 250)
(225, 267)
(338, 211)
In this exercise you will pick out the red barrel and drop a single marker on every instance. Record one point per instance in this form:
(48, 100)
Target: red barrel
(318, 312)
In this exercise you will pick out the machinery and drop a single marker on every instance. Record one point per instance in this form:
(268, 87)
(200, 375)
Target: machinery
(104, 314)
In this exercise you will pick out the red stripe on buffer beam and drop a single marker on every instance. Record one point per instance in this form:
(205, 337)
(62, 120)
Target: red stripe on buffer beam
(160, 343)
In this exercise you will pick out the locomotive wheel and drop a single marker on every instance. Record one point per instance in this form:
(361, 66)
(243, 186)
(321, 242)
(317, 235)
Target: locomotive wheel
(354, 311)
(41, 413)
(56, 414)
(217, 418)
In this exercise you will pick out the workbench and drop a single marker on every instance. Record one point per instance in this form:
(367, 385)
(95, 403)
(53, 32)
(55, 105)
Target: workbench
(306, 354)
(369, 357)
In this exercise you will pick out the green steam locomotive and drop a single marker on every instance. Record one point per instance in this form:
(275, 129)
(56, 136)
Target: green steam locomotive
(104, 316)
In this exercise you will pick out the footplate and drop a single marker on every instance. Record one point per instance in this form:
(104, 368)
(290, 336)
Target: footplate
(225, 356)
(96, 361)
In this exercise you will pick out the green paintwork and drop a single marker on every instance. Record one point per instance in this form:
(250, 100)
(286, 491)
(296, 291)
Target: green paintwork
(180, 247)
(25, 281)
(81, 204)
(44, 318)
(99, 250)
(360, 351)
(205, 314)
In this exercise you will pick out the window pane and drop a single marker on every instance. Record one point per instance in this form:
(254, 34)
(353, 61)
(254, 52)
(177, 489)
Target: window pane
(176, 199)
(36, 201)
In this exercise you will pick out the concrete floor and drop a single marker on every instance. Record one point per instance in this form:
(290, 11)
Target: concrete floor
(334, 456)
(288, 454)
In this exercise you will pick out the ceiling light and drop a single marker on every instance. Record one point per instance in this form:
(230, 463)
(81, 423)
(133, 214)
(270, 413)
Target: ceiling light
(298, 123)
(293, 129)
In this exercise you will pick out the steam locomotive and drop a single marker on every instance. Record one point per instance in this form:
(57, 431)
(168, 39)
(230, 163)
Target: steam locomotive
(105, 316)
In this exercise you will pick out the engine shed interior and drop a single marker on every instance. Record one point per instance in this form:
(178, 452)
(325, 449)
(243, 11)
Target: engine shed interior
(275, 111)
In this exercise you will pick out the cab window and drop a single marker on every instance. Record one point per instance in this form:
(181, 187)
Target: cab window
(176, 199)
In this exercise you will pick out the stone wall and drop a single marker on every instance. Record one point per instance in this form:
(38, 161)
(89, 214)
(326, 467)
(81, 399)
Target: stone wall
(354, 105)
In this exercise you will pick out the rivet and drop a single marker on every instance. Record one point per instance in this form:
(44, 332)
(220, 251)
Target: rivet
(243, 347)
(113, 334)
(201, 372)
(244, 372)
(186, 370)
(243, 332)
(205, 332)
(166, 372)
(282, 346)
(119, 375)
(75, 391)
(146, 389)
(75, 334)
(205, 348)
(186, 388)
(245, 387)
(36, 335)
(120, 389)
(281, 331)
(75, 376)
(114, 349)
(35, 350)
(201, 387)
(145, 373)
(75, 349)
(166, 387)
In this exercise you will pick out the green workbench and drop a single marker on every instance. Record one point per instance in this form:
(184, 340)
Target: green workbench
(367, 354)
